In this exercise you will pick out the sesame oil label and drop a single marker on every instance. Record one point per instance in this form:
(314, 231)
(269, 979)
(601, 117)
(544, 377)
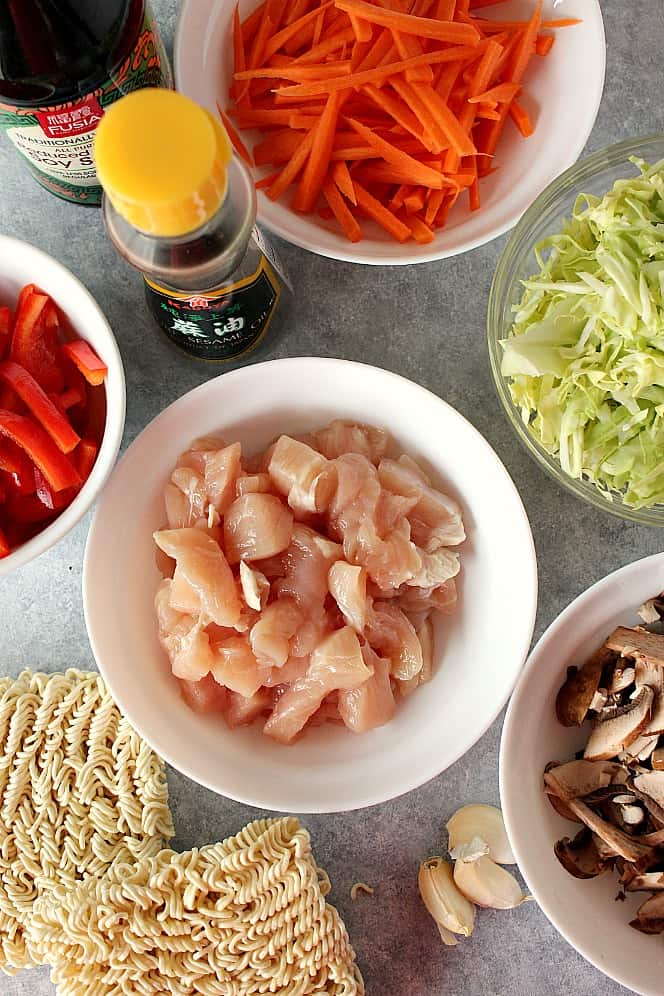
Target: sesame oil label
(220, 325)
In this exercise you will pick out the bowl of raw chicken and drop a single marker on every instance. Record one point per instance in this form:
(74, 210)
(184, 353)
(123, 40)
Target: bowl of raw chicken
(310, 585)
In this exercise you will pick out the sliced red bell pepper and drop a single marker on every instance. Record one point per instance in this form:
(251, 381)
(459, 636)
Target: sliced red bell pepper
(28, 509)
(35, 338)
(14, 462)
(84, 457)
(41, 406)
(4, 545)
(54, 465)
(70, 398)
(43, 491)
(83, 355)
(5, 330)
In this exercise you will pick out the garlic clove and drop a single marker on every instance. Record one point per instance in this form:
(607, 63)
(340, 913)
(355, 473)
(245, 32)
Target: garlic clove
(447, 936)
(484, 882)
(449, 908)
(474, 849)
(486, 823)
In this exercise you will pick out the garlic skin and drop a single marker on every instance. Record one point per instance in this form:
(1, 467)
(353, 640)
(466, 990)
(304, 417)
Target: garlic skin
(474, 849)
(485, 883)
(453, 913)
(483, 822)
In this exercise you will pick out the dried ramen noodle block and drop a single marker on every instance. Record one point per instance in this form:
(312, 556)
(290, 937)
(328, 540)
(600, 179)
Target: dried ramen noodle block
(242, 917)
(79, 790)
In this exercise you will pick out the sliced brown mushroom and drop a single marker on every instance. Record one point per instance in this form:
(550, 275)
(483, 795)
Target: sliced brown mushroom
(619, 726)
(649, 611)
(627, 813)
(646, 882)
(646, 672)
(574, 698)
(656, 723)
(650, 915)
(577, 779)
(637, 643)
(625, 846)
(580, 856)
(657, 759)
(649, 786)
(623, 677)
(639, 749)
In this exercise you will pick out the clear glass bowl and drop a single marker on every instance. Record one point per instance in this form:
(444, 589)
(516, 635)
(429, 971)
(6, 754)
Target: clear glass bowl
(595, 175)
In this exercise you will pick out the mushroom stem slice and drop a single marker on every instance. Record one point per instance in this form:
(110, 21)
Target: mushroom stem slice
(488, 884)
(446, 904)
(637, 643)
(629, 848)
(581, 857)
(621, 728)
(484, 823)
(577, 779)
(646, 882)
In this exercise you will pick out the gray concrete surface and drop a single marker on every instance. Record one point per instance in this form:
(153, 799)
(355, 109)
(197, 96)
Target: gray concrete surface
(427, 323)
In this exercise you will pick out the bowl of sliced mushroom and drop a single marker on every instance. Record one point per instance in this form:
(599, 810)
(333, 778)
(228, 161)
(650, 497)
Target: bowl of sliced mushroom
(582, 775)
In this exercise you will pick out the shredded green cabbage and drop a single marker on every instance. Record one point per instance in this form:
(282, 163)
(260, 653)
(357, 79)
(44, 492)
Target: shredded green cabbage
(585, 355)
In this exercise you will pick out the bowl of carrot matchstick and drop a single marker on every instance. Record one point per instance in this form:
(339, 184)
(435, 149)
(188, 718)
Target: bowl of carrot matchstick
(396, 131)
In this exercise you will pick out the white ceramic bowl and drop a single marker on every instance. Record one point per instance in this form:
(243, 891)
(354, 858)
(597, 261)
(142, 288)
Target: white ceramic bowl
(480, 650)
(20, 264)
(562, 93)
(585, 912)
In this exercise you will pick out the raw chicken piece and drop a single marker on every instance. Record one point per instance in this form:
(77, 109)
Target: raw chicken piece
(425, 636)
(389, 560)
(328, 712)
(372, 704)
(313, 630)
(391, 632)
(336, 663)
(270, 636)
(203, 565)
(436, 569)
(294, 668)
(194, 457)
(255, 586)
(272, 567)
(253, 483)
(241, 710)
(442, 597)
(256, 526)
(178, 510)
(221, 470)
(183, 637)
(390, 509)
(184, 597)
(204, 695)
(192, 487)
(348, 587)
(303, 475)
(259, 462)
(235, 666)
(436, 519)
(341, 437)
(307, 563)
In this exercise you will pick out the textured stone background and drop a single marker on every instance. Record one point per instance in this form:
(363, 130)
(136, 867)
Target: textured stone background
(427, 323)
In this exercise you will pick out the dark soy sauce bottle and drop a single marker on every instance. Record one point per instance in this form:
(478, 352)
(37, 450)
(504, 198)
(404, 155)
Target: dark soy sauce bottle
(62, 62)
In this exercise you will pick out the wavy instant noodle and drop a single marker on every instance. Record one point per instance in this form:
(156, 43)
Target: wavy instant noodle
(79, 789)
(239, 918)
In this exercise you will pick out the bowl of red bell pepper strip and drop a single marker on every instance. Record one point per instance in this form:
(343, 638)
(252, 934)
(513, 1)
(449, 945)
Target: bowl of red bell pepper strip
(62, 402)
(396, 131)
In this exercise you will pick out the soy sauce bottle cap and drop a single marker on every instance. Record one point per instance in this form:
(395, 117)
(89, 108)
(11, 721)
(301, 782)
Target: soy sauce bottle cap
(162, 160)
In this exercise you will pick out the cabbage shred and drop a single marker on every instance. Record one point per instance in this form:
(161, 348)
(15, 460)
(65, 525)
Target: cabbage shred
(585, 354)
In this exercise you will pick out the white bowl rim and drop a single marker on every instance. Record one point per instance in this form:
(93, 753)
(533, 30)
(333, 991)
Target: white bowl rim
(547, 639)
(113, 427)
(416, 253)
(162, 744)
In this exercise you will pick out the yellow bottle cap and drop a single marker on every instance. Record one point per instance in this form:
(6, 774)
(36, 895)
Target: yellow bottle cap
(162, 160)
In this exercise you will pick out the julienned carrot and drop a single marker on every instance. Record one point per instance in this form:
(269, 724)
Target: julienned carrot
(493, 26)
(379, 73)
(291, 169)
(521, 119)
(421, 119)
(419, 174)
(341, 212)
(385, 218)
(501, 94)
(238, 144)
(342, 179)
(422, 27)
(544, 44)
(318, 161)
